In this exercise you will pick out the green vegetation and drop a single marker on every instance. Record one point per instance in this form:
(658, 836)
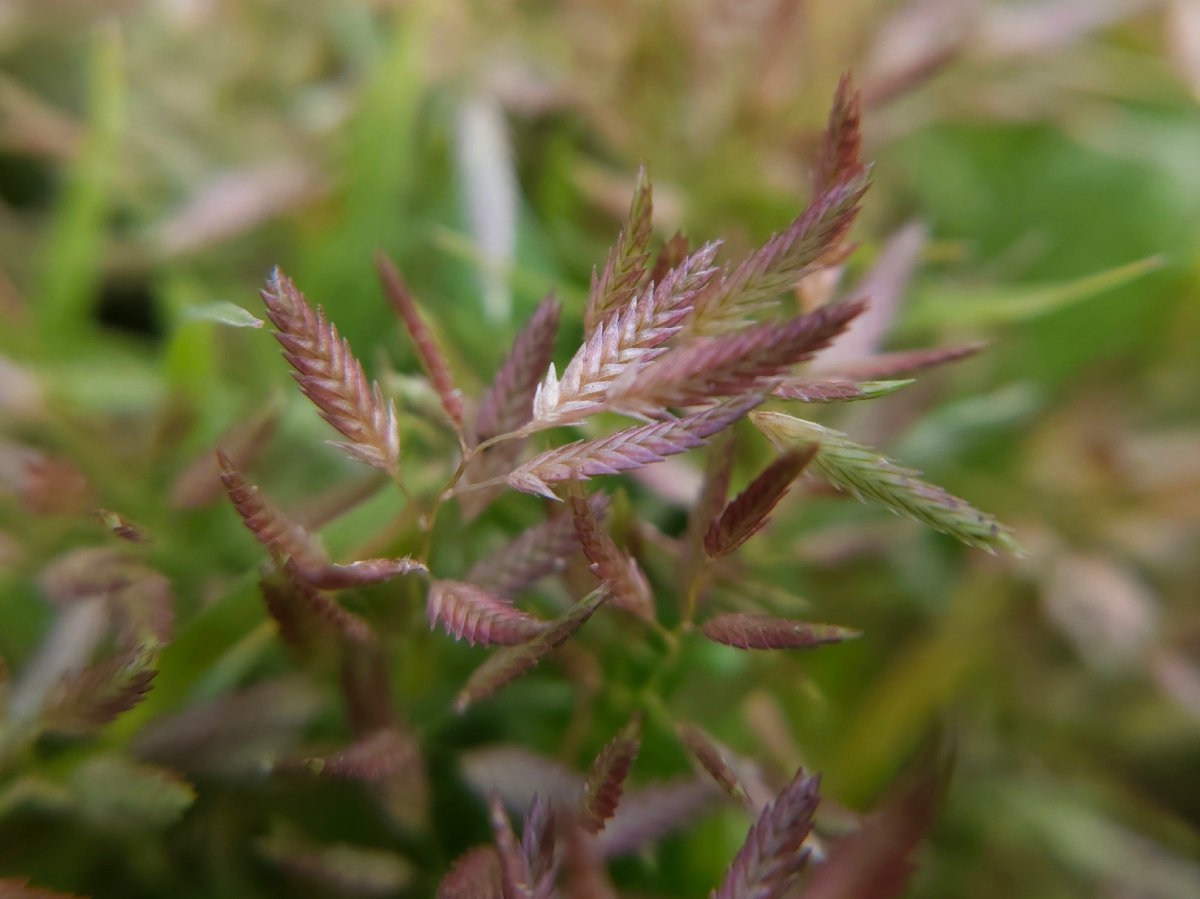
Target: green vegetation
(185, 712)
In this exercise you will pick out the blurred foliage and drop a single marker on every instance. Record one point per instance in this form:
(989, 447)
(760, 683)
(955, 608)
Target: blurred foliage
(157, 158)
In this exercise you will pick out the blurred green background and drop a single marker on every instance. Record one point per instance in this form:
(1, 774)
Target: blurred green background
(157, 158)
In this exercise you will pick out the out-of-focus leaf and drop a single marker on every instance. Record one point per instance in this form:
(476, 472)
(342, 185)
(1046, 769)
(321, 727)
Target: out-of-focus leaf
(222, 312)
(115, 794)
(340, 868)
(993, 307)
(75, 250)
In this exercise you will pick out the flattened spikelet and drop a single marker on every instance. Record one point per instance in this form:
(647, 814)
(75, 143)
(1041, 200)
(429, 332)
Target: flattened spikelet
(298, 550)
(841, 147)
(625, 271)
(751, 510)
(306, 617)
(537, 552)
(771, 859)
(612, 567)
(374, 758)
(808, 390)
(627, 339)
(430, 354)
(467, 612)
(329, 374)
(711, 756)
(606, 780)
(746, 630)
(511, 662)
(756, 283)
(508, 402)
(538, 844)
(475, 875)
(904, 362)
(735, 363)
(515, 875)
(673, 252)
(283, 538)
(867, 475)
(631, 448)
(813, 240)
(86, 700)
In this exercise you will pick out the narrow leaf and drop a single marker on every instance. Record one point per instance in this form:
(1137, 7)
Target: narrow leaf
(632, 336)
(1001, 306)
(606, 780)
(467, 612)
(428, 351)
(627, 449)
(771, 859)
(625, 271)
(511, 662)
(750, 512)
(612, 567)
(223, 313)
(869, 476)
(751, 631)
(330, 376)
(535, 553)
(807, 390)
